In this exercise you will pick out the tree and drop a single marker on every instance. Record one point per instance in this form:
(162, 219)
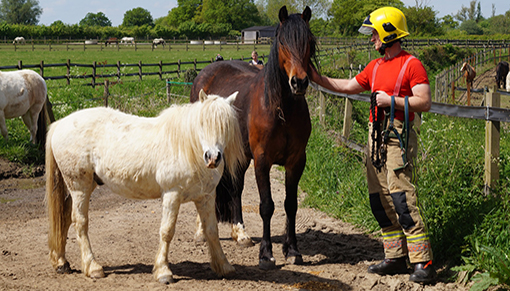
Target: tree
(95, 19)
(473, 12)
(186, 10)
(471, 27)
(20, 11)
(239, 13)
(137, 17)
(421, 20)
(348, 15)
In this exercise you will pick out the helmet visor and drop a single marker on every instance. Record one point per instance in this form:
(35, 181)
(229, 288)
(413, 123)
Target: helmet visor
(366, 30)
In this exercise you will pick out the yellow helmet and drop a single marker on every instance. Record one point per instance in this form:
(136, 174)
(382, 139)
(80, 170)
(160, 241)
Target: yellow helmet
(389, 22)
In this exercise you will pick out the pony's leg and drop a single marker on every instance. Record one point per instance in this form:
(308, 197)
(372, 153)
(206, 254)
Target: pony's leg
(30, 120)
(3, 126)
(205, 208)
(80, 219)
(171, 204)
(262, 168)
(292, 175)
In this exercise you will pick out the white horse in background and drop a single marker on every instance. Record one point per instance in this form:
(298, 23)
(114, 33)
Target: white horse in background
(22, 93)
(158, 41)
(19, 40)
(178, 156)
(127, 40)
(508, 82)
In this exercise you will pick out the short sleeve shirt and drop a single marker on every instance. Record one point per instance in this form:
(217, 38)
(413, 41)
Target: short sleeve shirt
(387, 75)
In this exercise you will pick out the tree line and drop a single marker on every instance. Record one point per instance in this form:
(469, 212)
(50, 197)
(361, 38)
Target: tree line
(226, 18)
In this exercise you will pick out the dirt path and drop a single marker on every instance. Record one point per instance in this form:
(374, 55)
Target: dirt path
(124, 236)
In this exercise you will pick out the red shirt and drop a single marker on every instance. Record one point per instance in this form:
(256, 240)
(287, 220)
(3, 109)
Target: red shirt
(387, 75)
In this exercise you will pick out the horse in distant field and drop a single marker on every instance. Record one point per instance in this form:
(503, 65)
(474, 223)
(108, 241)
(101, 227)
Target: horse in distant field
(158, 41)
(508, 82)
(19, 40)
(502, 69)
(178, 156)
(23, 93)
(127, 40)
(111, 40)
(469, 73)
(275, 124)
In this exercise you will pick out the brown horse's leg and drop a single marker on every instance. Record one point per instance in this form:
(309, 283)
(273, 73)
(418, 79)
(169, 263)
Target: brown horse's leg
(238, 231)
(262, 168)
(292, 175)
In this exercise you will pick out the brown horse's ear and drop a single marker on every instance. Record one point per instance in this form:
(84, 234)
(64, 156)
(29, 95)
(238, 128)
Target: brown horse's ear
(283, 14)
(202, 96)
(307, 14)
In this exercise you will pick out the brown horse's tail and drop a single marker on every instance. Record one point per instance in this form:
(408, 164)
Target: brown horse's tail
(59, 206)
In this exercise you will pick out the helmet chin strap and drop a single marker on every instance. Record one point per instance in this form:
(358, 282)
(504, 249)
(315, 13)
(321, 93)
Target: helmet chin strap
(384, 46)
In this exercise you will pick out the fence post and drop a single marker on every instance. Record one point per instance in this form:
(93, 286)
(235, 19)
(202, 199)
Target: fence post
(346, 130)
(492, 136)
(20, 65)
(468, 87)
(140, 70)
(94, 74)
(68, 75)
(106, 92)
(161, 70)
(179, 67)
(195, 64)
(118, 71)
(168, 91)
(41, 69)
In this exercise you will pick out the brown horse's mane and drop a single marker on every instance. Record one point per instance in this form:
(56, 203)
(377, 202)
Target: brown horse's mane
(295, 35)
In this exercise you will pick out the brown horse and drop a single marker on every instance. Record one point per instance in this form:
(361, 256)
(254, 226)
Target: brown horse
(469, 73)
(501, 71)
(275, 124)
(111, 40)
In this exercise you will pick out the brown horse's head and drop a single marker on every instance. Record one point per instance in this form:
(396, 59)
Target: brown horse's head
(294, 48)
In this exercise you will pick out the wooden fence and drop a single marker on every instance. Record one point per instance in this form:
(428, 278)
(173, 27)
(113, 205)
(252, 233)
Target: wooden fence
(445, 81)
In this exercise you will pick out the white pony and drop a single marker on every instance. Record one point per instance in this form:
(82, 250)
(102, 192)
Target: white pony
(127, 40)
(22, 93)
(178, 156)
(19, 40)
(508, 82)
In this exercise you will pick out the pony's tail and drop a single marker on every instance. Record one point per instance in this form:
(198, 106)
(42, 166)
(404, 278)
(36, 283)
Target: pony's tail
(59, 206)
(41, 126)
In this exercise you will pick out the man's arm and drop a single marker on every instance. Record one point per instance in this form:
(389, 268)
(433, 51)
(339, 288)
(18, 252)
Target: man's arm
(419, 102)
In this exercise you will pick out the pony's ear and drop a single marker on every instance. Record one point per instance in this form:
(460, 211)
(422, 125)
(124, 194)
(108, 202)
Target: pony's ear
(283, 14)
(232, 97)
(307, 14)
(202, 96)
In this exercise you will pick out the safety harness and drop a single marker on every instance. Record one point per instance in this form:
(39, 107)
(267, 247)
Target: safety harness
(380, 137)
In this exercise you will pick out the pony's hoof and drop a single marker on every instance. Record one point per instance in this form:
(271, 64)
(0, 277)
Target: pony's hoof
(97, 274)
(294, 260)
(166, 279)
(245, 242)
(267, 264)
(200, 239)
(64, 269)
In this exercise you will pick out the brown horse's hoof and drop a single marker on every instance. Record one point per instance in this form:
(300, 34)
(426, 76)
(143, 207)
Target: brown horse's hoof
(97, 274)
(64, 269)
(167, 279)
(265, 264)
(294, 260)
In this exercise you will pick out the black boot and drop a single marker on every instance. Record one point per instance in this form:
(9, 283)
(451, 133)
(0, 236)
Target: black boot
(423, 273)
(390, 267)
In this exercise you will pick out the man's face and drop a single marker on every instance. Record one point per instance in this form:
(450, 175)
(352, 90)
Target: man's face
(376, 40)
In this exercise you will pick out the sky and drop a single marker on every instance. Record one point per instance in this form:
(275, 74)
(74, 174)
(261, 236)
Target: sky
(72, 11)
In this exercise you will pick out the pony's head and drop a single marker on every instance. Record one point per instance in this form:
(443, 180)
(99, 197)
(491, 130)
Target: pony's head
(294, 48)
(219, 131)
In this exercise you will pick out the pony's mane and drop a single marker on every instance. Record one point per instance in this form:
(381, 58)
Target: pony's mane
(213, 120)
(295, 35)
